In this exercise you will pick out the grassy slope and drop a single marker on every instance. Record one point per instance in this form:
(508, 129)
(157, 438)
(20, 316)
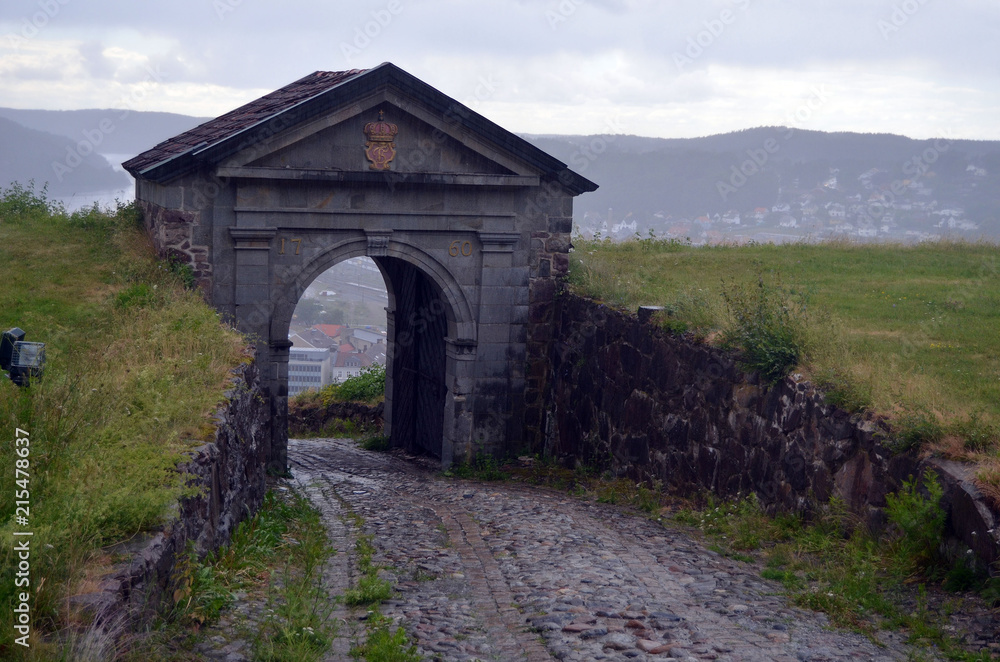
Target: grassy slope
(904, 328)
(136, 364)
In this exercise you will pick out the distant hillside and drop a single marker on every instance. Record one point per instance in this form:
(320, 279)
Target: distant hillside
(767, 184)
(772, 180)
(26, 154)
(125, 132)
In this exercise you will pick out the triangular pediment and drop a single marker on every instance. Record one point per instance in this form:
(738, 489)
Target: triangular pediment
(338, 142)
(315, 127)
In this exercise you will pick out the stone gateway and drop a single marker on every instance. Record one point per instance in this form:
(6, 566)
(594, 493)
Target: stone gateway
(468, 223)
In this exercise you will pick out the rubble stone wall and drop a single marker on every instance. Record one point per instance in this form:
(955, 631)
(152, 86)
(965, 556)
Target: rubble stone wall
(628, 397)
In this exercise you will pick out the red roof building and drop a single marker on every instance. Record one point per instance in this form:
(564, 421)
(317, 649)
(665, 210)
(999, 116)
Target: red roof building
(330, 330)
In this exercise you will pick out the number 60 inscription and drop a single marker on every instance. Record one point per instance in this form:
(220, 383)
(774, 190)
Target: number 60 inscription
(459, 247)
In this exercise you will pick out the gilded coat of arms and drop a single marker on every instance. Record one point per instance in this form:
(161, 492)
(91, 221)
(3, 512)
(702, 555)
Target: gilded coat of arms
(380, 148)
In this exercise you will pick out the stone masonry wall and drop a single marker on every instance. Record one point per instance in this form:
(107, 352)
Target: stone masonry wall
(628, 397)
(173, 234)
(549, 266)
(229, 474)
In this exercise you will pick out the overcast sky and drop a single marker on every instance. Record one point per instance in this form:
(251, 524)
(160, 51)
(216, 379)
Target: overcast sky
(668, 68)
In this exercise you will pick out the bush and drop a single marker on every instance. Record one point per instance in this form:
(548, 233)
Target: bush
(368, 386)
(978, 434)
(914, 428)
(920, 521)
(18, 201)
(764, 326)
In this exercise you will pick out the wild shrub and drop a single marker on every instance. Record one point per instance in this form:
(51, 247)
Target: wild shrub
(365, 387)
(764, 325)
(920, 520)
(369, 385)
(915, 427)
(977, 433)
(18, 201)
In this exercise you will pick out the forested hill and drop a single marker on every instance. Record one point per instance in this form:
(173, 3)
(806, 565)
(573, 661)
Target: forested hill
(797, 176)
(123, 131)
(755, 183)
(64, 148)
(27, 154)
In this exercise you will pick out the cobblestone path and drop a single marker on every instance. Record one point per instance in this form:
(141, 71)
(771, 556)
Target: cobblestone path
(502, 571)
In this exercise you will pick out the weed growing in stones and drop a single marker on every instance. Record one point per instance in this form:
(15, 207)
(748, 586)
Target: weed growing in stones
(383, 644)
(377, 443)
(371, 589)
(920, 519)
(480, 467)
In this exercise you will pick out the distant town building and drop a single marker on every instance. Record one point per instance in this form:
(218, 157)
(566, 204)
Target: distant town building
(308, 368)
(331, 331)
(348, 364)
(362, 339)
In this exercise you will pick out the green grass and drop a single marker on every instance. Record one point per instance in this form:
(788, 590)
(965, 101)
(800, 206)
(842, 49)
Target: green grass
(480, 467)
(907, 332)
(370, 590)
(276, 556)
(136, 365)
(300, 627)
(834, 565)
(383, 644)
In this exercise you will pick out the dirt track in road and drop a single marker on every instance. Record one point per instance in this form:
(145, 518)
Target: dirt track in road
(505, 571)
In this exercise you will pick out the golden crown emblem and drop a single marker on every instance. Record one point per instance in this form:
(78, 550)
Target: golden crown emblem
(381, 131)
(380, 149)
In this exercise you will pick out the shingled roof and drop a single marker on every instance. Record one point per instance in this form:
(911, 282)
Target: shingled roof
(310, 97)
(235, 121)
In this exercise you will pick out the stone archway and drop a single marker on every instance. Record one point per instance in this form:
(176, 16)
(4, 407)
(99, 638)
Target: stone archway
(468, 223)
(427, 312)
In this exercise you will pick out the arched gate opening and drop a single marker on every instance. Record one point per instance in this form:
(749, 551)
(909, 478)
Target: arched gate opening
(416, 360)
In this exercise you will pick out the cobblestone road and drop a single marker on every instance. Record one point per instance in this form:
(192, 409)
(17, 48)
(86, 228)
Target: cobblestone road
(502, 571)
